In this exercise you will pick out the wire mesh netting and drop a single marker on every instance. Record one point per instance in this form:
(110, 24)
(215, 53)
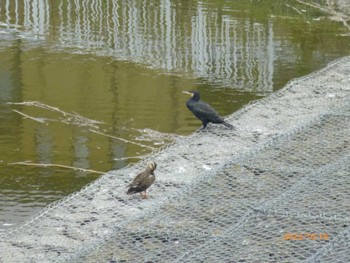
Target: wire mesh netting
(274, 190)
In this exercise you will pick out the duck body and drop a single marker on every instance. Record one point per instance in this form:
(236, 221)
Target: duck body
(143, 181)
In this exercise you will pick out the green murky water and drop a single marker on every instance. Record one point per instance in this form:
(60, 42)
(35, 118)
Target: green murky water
(124, 64)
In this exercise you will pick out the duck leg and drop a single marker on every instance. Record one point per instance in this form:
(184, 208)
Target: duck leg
(143, 194)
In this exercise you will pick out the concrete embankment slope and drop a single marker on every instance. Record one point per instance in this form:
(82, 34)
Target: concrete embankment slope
(274, 190)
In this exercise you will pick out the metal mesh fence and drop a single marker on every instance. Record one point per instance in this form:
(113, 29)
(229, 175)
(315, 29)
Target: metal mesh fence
(274, 190)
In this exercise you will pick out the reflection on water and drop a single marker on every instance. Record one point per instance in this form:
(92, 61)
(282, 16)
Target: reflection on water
(233, 52)
(217, 43)
(125, 63)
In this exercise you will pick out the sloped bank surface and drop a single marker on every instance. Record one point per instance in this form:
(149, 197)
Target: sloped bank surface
(220, 194)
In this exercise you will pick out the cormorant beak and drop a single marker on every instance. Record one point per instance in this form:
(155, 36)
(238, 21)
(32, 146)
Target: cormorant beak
(187, 92)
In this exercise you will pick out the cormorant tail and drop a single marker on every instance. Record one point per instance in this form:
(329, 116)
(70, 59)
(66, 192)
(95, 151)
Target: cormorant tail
(228, 125)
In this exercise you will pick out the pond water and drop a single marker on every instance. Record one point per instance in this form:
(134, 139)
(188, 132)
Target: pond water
(98, 84)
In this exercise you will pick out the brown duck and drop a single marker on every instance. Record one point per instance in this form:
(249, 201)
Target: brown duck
(143, 180)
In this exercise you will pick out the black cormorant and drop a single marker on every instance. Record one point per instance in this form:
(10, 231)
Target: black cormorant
(143, 180)
(203, 111)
